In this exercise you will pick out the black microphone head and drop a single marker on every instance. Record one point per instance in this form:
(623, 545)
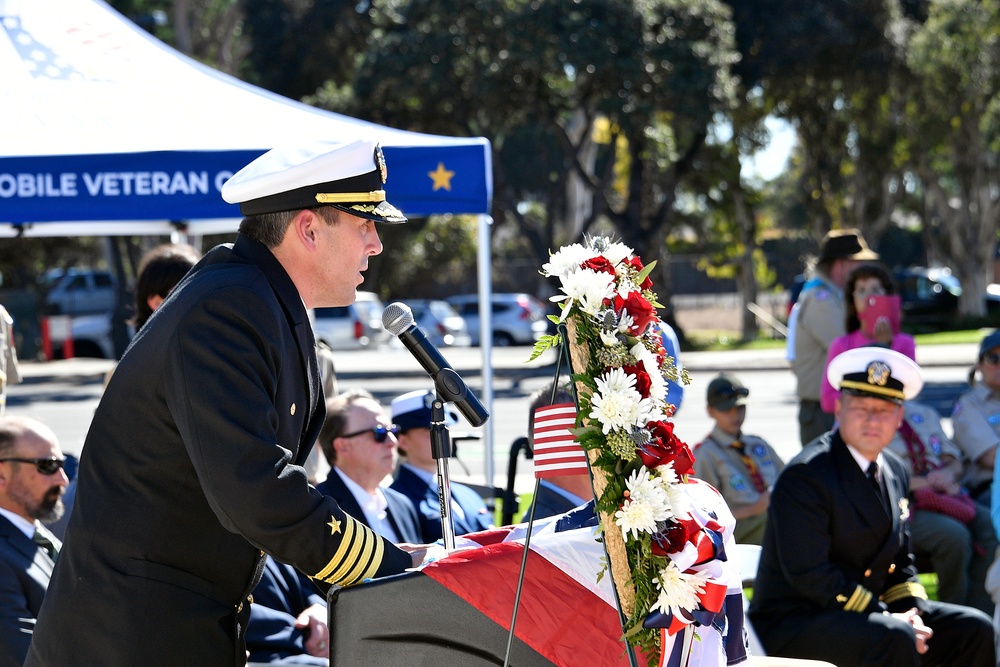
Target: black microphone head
(397, 318)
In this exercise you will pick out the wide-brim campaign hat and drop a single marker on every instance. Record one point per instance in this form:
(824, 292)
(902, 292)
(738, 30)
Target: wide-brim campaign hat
(349, 176)
(725, 392)
(876, 372)
(845, 244)
(413, 410)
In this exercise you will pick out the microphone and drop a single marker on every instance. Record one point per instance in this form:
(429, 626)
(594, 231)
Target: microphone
(397, 319)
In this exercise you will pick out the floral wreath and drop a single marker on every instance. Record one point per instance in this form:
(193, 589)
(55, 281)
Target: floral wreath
(661, 546)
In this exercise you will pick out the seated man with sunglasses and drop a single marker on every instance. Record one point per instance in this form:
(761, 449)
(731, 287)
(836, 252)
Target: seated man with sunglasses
(417, 475)
(288, 620)
(32, 481)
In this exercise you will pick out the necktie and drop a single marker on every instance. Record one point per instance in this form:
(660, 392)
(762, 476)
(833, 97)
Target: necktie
(876, 482)
(47, 541)
(752, 470)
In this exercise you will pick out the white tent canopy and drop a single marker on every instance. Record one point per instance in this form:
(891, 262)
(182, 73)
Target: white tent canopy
(105, 123)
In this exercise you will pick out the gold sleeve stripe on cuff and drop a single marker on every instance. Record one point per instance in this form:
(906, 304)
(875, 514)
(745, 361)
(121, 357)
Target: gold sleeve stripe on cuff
(907, 589)
(859, 599)
(357, 557)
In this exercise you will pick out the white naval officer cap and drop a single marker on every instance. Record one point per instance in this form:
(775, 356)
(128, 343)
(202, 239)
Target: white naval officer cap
(349, 176)
(413, 410)
(876, 372)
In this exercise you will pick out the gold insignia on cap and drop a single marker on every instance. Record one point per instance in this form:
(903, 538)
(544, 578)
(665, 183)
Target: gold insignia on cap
(291, 410)
(841, 599)
(334, 525)
(380, 161)
(879, 373)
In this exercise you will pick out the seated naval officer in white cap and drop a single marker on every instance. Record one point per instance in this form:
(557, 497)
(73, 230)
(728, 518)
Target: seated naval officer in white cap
(193, 465)
(836, 579)
(416, 477)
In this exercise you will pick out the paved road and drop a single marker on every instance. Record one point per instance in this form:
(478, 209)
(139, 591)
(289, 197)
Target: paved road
(65, 393)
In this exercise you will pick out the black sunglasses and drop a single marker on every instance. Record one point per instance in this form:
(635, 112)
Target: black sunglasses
(44, 466)
(379, 432)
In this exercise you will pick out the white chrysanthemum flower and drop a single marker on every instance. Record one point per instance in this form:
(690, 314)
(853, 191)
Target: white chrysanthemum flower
(677, 590)
(644, 488)
(617, 253)
(636, 517)
(566, 260)
(616, 410)
(616, 380)
(586, 288)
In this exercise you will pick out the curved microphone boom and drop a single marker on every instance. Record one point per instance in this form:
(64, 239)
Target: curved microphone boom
(397, 319)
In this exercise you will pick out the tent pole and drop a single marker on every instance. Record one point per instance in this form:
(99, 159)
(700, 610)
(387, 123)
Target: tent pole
(484, 265)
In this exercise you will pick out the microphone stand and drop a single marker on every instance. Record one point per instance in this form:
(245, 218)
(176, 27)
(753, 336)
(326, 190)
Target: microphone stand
(441, 450)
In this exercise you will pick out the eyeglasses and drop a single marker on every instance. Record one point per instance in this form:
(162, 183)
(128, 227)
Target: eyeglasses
(45, 466)
(992, 358)
(380, 432)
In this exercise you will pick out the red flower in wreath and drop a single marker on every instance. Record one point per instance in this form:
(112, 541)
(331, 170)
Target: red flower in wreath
(636, 264)
(665, 447)
(672, 539)
(642, 381)
(639, 309)
(599, 264)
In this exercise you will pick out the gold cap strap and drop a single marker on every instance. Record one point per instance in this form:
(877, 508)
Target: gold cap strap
(349, 197)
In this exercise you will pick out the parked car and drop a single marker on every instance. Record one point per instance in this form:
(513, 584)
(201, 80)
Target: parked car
(518, 318)
(928, 295)
(358, 325)
(78, 291)
(442, 325)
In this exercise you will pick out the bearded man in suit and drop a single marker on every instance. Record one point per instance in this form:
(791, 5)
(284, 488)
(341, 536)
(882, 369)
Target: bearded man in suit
(32, 481)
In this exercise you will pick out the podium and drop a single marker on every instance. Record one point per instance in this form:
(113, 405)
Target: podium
(411, 620)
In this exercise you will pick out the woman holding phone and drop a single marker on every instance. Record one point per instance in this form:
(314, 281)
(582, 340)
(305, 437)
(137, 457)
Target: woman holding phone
(872, 318)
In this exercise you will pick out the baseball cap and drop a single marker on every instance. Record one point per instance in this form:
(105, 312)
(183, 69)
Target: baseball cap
(726, 392)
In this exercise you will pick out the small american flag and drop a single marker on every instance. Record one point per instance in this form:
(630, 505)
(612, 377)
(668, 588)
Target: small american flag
(556, 452)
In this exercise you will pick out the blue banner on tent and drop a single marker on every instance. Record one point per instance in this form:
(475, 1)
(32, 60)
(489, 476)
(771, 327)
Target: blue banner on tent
(186, 185)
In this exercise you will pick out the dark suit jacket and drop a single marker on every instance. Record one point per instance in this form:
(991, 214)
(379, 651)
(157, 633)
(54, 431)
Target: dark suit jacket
(548, 502)
(282, 594)
(402, 514)
(191, 472)
(425, 500)
(830, 543)
(24, 575)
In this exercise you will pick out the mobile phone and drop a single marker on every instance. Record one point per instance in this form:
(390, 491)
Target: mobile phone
(877, 307)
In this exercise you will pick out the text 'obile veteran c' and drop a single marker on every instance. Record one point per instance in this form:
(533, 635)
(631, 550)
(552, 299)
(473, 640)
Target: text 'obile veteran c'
(836, 579)
(191, 471)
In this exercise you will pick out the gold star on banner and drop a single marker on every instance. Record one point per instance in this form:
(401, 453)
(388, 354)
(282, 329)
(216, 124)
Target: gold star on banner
(441, 177)
(334, 526)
